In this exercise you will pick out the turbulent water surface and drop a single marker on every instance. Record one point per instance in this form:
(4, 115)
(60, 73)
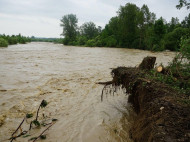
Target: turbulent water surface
(66, 77)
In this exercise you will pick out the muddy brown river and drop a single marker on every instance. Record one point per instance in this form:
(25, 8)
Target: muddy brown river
(66, 77)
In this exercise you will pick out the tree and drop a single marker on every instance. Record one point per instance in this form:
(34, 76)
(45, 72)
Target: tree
(89, 30)
(186, 22)
(173, 24)
(69, 24)
(128, 24)
(159, 28)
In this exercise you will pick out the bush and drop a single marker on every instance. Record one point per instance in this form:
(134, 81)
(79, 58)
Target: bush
(180, 67)
(81, 40)
(110, 41)
(3, 42)
(185, 48)
(172, 39)
(66, 41)
(12, 40)
(91, 43)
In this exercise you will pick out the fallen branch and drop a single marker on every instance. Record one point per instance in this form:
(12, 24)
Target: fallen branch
(22, 133)
(19, 126)
(35, 122)
(43, 132)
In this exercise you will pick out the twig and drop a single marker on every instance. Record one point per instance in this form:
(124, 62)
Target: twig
(38, 112)
(43, 132)
(36, 116)
(30, 125)
(23, 133)
(105, 83)
(19, 126)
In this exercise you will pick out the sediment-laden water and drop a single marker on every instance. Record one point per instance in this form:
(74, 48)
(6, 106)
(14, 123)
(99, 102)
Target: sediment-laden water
(66, 77)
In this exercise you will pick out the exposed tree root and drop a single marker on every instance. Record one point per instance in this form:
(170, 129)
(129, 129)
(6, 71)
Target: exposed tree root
(161, 117)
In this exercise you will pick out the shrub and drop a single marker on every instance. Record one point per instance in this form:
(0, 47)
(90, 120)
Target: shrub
(66, 41)
(110, 41)
(82, 40)
(172, 39)
(3, 42)
(185, 48)
(91, 43)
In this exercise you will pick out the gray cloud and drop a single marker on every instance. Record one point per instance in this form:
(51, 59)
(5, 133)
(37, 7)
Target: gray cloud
(42, 17)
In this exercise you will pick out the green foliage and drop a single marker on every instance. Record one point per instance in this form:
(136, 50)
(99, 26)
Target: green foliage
(43, 104)
(14, 39)
(159, 29)
(128, 24)
(183, 3)
(185, 48)
(110, 41)
(36, 123)
(133, 27)
(174, 23)
(43, 137)
(43, 39)
(66, 41)
(81, 40)
(89, 30)
(91, 43)
(186, 22)
(172, 39)
(29, 115)
(3, 42)
(69, 24)
(178, 71)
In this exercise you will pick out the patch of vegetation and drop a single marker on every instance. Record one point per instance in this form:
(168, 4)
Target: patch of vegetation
(14, 39)
(3, 42)
(177, 74)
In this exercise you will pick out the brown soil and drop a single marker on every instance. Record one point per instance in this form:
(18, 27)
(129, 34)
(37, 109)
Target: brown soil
(161, 115)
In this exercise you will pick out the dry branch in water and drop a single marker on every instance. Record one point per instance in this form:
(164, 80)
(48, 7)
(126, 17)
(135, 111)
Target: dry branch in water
(36, 122)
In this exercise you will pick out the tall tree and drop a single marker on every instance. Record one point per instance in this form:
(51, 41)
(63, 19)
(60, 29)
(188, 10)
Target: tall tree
(128, 24)
(69, 24)
(89, 30)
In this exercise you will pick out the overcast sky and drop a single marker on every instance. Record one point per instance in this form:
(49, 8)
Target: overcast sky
(41, 18)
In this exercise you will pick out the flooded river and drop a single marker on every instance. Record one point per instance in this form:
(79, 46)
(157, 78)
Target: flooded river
(66, 77)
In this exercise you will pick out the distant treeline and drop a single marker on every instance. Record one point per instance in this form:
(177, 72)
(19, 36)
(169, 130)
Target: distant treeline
(43, 39)
(6, 40)
(133, 27)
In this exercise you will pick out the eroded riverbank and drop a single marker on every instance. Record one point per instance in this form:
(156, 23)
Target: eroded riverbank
(66, 77)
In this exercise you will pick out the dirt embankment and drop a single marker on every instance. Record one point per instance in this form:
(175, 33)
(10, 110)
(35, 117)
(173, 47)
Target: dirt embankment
(161, 115)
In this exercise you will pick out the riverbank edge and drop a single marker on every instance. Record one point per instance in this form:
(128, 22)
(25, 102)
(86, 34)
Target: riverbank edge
(161, 115)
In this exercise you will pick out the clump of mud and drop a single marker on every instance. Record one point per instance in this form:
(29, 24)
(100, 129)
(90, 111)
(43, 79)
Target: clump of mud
(161, 115)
